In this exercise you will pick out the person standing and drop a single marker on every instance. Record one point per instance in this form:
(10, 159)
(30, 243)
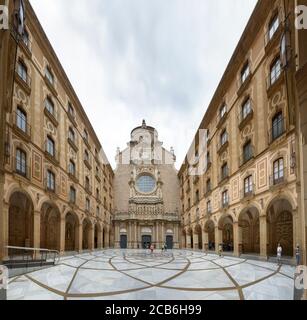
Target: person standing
(298, 255)
(220, 250)
(279, 254)
(151, 248)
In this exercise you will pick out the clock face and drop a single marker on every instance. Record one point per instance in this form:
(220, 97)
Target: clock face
(146, 183)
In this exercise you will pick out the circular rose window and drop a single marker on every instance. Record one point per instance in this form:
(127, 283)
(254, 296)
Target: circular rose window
(146, 184)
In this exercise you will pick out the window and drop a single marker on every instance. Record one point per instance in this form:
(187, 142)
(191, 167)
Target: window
(208, 185)
(25, 38)
(21, 120)
(275, 71)
(208, 158)
(49, 106)
(196, 196)
(87, 183)
(189, 203)
(247, 151)
(277, 126)
(50, 181)
(97, 193)
(22, 71)
(72, 168)
(248, 185)
(86, 156)
(98, 211)
(71, 110)
(209, 208)
(49, 76)
(50, 147)
(21, 162)
(71, 135)
(246, 108)
(146, 183)
(72, 195)
(273, 26)
(224, 171)
(278, 168)
(85, 135)
(224, 138)
(245, 73)
(97, 171)
(87, 204)
(225, 199)
(223, 111)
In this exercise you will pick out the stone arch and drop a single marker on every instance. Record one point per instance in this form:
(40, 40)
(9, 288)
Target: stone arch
(209, 229)
(197, 237)
(249, 230)
(280, 226)
(71, 231)
(87, 230)
(50, 226)
(15, 188)
(225, 225)
(21, 219)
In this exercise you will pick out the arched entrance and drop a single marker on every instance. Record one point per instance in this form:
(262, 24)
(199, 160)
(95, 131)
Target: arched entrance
(210, 232)
(197, 237)
(280, 227)
(123, 241)
(50, 227)
(71, 232)
(250, 231)
(86, 234)
(20, 220)
(226, 225)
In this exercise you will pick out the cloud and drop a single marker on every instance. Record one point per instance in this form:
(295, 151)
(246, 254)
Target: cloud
(132, 59)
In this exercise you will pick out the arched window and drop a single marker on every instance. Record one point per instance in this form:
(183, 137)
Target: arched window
(87, 204)
(21, 119)
(50, 146)
(273, 26)
(277, 126)
(275, 70)
(21, 162)
(278, 171)
(72, 195)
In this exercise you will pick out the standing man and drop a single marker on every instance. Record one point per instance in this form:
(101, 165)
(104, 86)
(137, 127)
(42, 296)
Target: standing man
(298, 255)
(279, 254)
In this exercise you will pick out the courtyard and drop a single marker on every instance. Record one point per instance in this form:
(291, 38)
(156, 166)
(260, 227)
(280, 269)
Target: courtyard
(139, 275)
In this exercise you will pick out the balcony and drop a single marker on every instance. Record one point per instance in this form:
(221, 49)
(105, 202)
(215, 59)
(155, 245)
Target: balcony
(224, 176)
(221, 119)
(274, 41)
(274, 82)
(88, 188)
(73, 144)
(21, 127)
(245, 117)
(23, 80)
(72, 118)
(26, 45)
(278, 181)
(51, 187)
(222, 145)
(87, 162)
(248, 194)
(21, 168)
(51, 155)
(51, 115)
(277, 130)
(247, 156)
(51, 86)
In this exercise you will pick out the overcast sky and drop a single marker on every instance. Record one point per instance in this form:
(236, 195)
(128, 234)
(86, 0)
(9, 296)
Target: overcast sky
(159, 60)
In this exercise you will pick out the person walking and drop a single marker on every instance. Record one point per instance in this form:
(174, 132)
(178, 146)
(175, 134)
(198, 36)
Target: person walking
(151, 248)
(279, 254)
(220, 250)
(298, 255)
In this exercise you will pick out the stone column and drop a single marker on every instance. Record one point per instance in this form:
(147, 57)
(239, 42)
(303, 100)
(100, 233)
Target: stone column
(62, 234)
(135, 235)
(205, 236)
(36, 229)
(4, 230)
(263, 237)
(163, 234)
(92, 238)
(218, 238)
(107, 238)
(236, 239)
(80, 237)
(188, 241)
(117, 235)
(195, 241)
